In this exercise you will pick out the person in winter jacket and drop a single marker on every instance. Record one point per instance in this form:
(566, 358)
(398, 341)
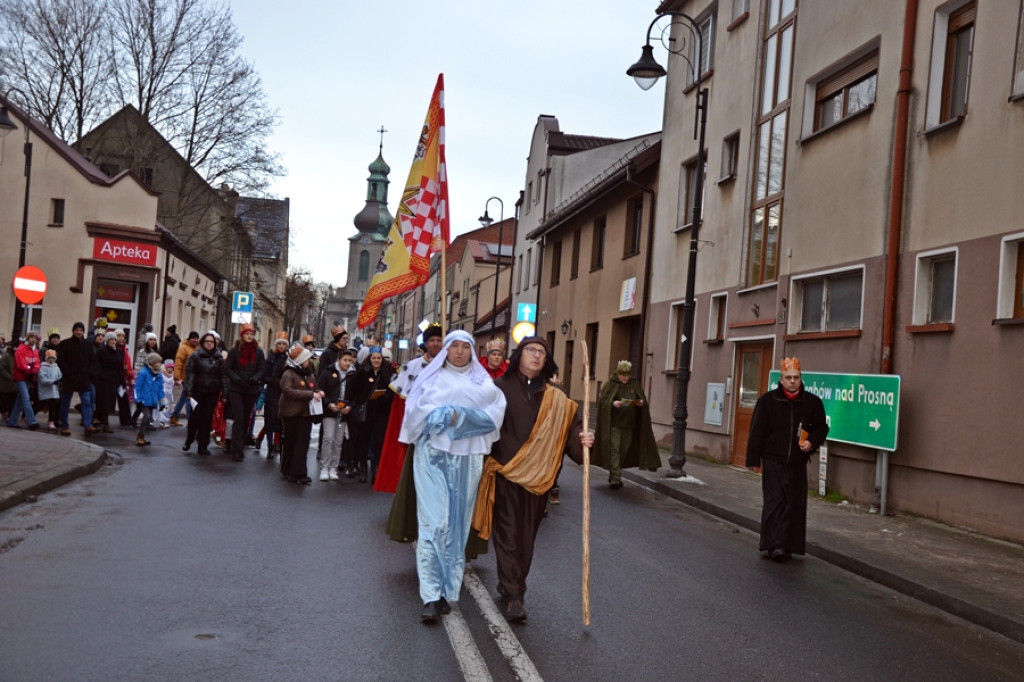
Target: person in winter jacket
(149, 345)
(26, 368)
(164, 417)
(49, 387)
(8, 391)
(110, 379)
(76, 360)
(149, 392)
(298, 388)
(273, 369)
(245, 366)
(333, 381)
(205, 382)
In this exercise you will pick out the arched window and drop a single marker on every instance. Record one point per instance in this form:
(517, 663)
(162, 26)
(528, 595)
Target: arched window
(364, 266)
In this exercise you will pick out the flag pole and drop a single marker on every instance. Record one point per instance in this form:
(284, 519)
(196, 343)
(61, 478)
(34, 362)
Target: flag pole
(586, 486)
(444, 289)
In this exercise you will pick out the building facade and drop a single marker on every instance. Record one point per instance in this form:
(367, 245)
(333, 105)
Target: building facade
(859, 213)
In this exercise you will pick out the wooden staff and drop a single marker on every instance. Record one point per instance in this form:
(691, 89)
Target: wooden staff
(586, 486)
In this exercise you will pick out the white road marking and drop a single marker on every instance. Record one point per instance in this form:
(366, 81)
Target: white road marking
(507, 642)
(471, 662)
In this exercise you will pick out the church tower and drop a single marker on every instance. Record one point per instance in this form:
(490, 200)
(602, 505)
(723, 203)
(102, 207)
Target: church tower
(365, 247)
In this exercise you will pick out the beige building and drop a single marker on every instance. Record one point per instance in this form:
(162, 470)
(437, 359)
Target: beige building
(864, 224)
(97, 241)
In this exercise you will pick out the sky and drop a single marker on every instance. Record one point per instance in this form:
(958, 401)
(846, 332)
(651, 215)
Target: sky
(335, 71)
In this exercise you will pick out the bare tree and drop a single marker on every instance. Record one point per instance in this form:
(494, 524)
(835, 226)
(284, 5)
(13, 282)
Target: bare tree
(175, 61)
(298, 292)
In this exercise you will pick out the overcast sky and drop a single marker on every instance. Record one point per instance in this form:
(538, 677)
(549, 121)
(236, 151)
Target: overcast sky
(337, 70)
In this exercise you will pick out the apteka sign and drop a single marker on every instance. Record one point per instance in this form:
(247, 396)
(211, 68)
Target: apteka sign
(119, 251)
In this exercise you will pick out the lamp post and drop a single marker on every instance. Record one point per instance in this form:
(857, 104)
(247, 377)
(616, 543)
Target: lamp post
(486, 221)
(646, 72)
(6, 126)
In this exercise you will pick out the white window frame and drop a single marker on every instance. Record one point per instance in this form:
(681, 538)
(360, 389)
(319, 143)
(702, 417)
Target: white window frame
(730, 157)
(719, 303)
(940, 34)
(739, 8)
(706, 63)
(1018, 62)
(687, 187)
(1008, 274)
(923, 284)
(796, 297)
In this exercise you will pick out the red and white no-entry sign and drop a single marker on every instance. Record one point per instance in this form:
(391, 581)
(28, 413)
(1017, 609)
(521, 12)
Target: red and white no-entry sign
(29, 285)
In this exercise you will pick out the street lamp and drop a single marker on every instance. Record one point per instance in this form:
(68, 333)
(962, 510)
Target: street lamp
(485, 220)
(646, 72)
(6, 126)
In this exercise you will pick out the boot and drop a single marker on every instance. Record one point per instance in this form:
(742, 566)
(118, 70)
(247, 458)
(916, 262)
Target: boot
(106, 424)
(140, 439)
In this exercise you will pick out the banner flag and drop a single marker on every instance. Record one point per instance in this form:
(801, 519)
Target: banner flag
(420, 228)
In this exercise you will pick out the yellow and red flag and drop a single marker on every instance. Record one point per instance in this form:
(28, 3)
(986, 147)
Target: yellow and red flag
(420, 228)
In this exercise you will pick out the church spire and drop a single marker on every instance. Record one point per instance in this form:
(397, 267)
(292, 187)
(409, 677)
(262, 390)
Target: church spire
(374, 219)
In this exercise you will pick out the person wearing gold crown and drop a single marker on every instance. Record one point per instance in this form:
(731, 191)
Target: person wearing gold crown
(624, 434)
(494, 361)
(788, 426)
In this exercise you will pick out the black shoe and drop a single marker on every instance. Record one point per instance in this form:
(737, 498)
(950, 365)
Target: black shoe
(186, 446)
(238, 456)
(779, 555)
(514, 611)
(429, 614)
(251, 442)
(304, 480)
(33, 427)
(443, 607)
(615, 485)
(204, 452)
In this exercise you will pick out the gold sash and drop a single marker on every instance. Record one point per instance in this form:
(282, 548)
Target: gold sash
(536, 465)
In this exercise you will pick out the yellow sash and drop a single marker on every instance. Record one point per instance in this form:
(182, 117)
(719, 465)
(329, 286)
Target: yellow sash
(536, 465)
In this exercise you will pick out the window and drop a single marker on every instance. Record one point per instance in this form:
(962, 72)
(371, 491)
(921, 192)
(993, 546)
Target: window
(529, 195)
(739, 8)
(147, 177)
(716, 322)
(1010, 303)
(935, 286)
(556, 262)
(766, 209)
(830, 302)
(1018, 284)
(574, 265)
(592, 347)
(704, 61)
(949, 80)
(364, 266)
(847, 92)
(597, 244)
(1018, 69)
(688, 192)
(56, 212)
(526, 273)
(676, 342)
(519, 275)
(634, 227)
(730, 157)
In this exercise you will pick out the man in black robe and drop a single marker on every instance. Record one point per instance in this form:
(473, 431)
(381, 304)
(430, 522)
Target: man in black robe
(787, 428)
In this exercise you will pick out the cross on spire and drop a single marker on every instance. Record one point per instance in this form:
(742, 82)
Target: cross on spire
(382, 131)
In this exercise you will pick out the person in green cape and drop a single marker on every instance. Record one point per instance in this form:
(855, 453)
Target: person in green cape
(624, 435)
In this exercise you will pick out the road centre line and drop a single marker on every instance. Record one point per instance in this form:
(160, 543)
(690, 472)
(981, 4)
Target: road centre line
(471, 662)
(508, 643)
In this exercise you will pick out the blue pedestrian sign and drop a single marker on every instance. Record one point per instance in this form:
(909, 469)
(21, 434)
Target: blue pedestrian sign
(526, 312)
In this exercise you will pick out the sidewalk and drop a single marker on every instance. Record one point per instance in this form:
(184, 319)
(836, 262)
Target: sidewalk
(971, 576)
(34, 462)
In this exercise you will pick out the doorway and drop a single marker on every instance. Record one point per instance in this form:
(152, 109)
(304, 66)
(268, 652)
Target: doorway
(753, 363)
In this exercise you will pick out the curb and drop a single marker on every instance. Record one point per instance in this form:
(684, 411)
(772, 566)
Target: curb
(973, 613)
(25, 490)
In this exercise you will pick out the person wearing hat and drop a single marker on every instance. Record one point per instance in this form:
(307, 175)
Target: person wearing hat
(150, 345)
(109, 379)
(169, 346)
(452, 417)
(494, 361)
(272, 371)
(788, 427)
(48, 389)
(392, 456)
(245, 366)
(26, 369)
(371, 396)
(339, 342)
(51, 343)
(298, 388)
(624, 434)
(541, 425)
(77, 363)
(180, 361)
(149, 392)
(205, 381)
(140, 340)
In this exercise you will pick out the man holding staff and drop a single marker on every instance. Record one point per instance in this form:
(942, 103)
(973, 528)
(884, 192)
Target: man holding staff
(523, 465)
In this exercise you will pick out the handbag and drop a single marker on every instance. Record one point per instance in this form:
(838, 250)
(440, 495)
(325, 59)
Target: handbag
(316, 410)
(357, 415)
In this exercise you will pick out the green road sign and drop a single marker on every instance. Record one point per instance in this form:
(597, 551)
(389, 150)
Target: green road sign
(862, 409)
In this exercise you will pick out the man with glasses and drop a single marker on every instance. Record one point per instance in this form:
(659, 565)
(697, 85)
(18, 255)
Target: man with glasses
(541, 425)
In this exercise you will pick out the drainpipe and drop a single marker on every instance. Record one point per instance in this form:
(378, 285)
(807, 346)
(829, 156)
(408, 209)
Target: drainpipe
(648, 256)
(897, 193)
(897, 188)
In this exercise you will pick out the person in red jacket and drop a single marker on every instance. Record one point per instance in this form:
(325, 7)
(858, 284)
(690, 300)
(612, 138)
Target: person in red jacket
(494, 361)
(26, 369)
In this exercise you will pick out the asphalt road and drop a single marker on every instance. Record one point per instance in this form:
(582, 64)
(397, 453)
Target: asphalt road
(179, 568)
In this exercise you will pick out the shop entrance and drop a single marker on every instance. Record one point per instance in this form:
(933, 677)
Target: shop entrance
(118, 303)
